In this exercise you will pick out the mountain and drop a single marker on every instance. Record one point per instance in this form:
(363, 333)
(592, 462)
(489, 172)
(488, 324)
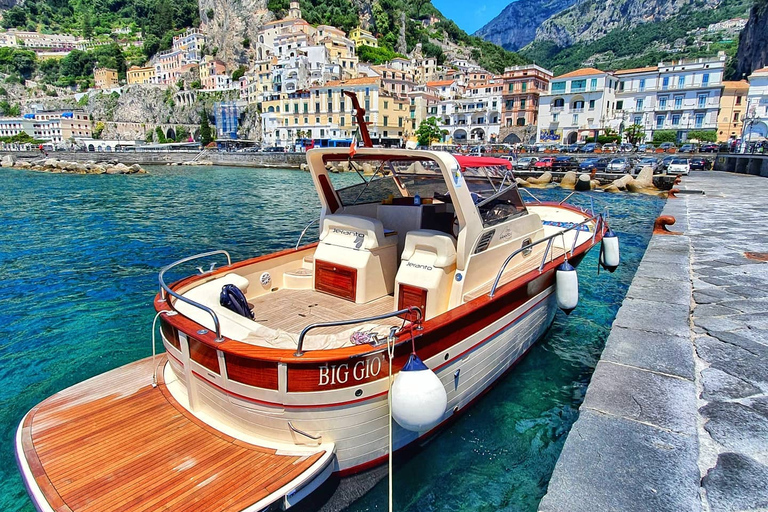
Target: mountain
(753, 41)
(516, 25)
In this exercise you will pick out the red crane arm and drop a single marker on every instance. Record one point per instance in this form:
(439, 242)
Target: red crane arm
(360, 113)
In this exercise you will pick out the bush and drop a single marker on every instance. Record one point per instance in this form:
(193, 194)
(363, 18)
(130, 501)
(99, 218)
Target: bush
(702, 135)
(660, 136)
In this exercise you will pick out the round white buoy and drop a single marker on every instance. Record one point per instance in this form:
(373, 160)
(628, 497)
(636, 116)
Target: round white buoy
(418, 397)
(609, 251)
(566, 287)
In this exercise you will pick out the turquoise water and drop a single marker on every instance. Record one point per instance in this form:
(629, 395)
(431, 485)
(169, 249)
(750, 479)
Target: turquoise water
(79, 257)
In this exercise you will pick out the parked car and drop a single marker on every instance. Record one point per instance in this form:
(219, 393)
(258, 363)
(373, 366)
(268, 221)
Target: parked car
(590, 147)
(688, 148)
(642, 148)
(620, 165)
(664, 164)
(597, 163)
(700, 164)
(610, 148)
(627, 148)
(651, 162)
(710, 147)
(525, 163)
(274, 149)
(574, 148)
(545, 163)
(565, 163)
(679, 166)
(666, 146)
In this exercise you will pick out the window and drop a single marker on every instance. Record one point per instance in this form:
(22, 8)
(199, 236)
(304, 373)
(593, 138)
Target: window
(386, 120)
(522, 103)
(665, 83)
(699, 120)
(681, 82)
(558, 87)
(317, 107)
(511, 87)
(578, 106)
(510, 104)
(705, 80)
(642, 85)
(317, 120)
(676, 120)
(578, 85)
(524, 86)
(638, 120)
(736, 117)
(559, 103)
(295, 108)
(663, 103)
(400, 122)
(386, 105)
(619, 105)
(591, 104)
(593, 84)
(306, 120)
(738, 100)
(341, 105)
(659, 122)
(341, 121)
(306, 108)
(702, 100)
(330, 107)
(639, 104)
(575, 119)
(555, 117)
(678, 102)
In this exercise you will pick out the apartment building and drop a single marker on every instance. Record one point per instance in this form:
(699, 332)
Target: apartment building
(445, 89)
(733, 106)
(523, 86)
(10, 126)
(756, 118)
(681, 96)
(105, 78)
(362, 37)
(140, 75)
(475, 117)
(213, 74)
(577, 106)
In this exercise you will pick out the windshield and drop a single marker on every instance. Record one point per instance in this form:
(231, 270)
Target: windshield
(679, 161)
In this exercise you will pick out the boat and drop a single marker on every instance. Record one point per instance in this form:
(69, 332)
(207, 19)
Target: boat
(429, 280)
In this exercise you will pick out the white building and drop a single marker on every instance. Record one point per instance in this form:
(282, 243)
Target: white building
(10, 126)
(756, 119)
(681, 96)
(578, 105)
(476, 117)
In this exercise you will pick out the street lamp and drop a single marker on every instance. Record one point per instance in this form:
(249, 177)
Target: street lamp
(747, 120)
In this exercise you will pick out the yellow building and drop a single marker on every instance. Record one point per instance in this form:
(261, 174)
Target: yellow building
(105, 78)
(733, 105)
(139, 75)
(362, 37)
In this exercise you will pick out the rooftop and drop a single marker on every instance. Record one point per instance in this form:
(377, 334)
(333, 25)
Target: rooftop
(636, 70)
(582, 72)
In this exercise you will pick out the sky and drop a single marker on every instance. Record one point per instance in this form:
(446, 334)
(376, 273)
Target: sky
(471, 14)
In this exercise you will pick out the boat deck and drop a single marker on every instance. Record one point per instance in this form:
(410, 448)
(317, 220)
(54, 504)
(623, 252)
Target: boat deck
(85, 456)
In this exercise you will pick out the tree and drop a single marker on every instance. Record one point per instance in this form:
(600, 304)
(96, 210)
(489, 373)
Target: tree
(660, 136)
(98, 130)
(87, 26)
(238, 73)
(160, 135)
(15, 17)
(634, 133)
(151, 45)
(703, 135)
(428, 131)
(206, 136)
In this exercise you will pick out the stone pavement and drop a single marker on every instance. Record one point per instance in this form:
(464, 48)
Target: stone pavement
(676, 414)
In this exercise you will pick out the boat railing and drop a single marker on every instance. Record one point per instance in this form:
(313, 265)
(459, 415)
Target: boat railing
(304, 231)
(411, 309)
(597, 219)
(165, 290)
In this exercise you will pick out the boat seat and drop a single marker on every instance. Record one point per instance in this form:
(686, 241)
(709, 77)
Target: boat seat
(426, 271)
(355, 259)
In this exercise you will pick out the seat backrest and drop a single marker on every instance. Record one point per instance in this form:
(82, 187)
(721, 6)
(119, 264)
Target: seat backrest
(429, 247)
(352, 231)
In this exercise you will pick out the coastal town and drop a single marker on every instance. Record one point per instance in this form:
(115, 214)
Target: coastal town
(296, 81)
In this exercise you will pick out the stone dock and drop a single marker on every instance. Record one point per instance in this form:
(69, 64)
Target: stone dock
(676, 415)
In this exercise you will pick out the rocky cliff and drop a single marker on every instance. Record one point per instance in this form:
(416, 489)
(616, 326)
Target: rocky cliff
(753, 41)
(591, 19)
(516, 25)
(231, 26)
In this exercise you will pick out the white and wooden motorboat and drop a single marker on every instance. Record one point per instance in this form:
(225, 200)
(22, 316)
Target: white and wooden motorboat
(433, 254)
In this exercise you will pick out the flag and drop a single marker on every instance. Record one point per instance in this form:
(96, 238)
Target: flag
(353, 147)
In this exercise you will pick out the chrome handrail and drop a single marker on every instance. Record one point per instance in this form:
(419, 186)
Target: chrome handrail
(165, 290)
(529, 193)
(304, 231)
(300, 346)
(547, 239)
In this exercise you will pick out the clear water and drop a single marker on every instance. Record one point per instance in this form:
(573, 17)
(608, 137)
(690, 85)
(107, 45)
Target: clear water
(79, 257)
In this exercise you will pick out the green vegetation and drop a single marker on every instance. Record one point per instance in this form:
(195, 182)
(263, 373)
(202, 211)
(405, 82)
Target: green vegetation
(9, 110)
(206, 135)
(21, 62)
(339, 13)
(634, 133)
(645, 45)
(702, 135)
(238, 73)
(429, 131)
(660, 136)
(20, 138)
(98, 130)
(378, 55)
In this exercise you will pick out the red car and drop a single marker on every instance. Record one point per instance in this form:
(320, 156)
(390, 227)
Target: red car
(545, 162)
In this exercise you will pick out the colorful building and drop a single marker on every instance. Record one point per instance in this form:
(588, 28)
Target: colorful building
(733, 106)
(362, 37)
(523, 86)
(105, 78)
(140, 75)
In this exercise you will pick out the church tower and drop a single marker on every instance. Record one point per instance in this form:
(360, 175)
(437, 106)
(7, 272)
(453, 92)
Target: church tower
(294, 12)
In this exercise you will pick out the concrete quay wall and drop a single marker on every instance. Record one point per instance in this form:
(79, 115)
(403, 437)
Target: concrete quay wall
(676, 415)
(756, 165)
(166, 157)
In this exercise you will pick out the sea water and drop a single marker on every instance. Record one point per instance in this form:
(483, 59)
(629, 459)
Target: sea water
(79, 258)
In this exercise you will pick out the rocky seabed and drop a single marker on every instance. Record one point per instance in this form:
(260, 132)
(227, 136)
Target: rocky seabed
(55, 165)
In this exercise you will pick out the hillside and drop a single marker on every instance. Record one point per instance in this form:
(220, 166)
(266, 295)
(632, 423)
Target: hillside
(516, 25)
(753, 41)
(683, 35)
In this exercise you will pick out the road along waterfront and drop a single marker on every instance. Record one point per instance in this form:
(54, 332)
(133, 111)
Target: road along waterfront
(676, 415)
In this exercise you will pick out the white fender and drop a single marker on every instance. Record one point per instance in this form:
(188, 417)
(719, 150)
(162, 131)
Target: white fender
(418, 397)
(566, 287)
(609, 251)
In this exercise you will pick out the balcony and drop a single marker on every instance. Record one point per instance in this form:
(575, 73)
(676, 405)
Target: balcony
(578, 89)
(577, 110)
(558, 109)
